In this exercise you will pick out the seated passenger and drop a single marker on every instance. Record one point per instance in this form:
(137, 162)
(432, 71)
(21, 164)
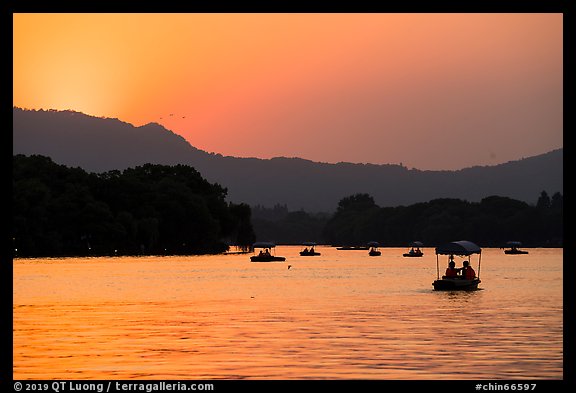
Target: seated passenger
(467, 272)
(451, 270)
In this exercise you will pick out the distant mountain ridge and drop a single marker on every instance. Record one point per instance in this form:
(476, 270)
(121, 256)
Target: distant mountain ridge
(102, 144)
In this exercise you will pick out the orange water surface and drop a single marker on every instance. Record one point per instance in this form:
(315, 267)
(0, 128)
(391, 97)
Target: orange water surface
(340, 315)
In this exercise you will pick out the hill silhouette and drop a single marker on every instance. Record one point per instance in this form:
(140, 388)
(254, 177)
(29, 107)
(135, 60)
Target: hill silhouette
(101, 144)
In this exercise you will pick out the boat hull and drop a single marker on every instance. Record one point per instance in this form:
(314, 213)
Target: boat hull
(309, 254)
(375, 253)
(515, 252)
(257, 258)
(455, 284)
(413, 255)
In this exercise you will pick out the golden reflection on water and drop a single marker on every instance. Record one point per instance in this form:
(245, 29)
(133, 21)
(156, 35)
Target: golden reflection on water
(341, 315)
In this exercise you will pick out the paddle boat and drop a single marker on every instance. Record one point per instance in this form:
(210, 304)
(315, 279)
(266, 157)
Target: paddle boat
(374, 252)
(266, 253)
(309, 250)
(513, 248)
(414, 250)
(461, 280)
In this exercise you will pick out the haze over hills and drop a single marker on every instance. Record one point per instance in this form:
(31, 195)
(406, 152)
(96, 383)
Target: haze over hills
(102, 144)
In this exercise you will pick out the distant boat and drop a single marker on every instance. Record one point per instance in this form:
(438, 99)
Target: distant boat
(309, 252)
(414, 250)
(374, 252)
(463, 248)
(266, 253)
(513, 248)
(353, 248)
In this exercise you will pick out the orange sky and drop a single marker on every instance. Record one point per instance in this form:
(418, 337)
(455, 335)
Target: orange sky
(431, 91)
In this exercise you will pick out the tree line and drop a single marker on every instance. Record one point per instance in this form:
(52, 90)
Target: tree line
(358, 220)
(172, 210)
(490, 223)
(146, 210)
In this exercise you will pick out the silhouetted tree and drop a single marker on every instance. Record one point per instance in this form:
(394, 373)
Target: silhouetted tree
(557, 202)
(149, 209)
(356, 202)
(543, 201)
(491, 222)
(244, 232)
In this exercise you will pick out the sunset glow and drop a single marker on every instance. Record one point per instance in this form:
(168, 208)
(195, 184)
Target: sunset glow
(380, 88)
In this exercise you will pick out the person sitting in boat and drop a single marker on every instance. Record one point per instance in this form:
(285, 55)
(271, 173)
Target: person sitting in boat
(467, 271)
(267, 252)
(451, 270)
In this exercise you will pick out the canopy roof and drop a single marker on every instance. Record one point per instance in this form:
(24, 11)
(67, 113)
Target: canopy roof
(514, 243)
(373, 244)
(416, 244)
(309, 244)
(462, 247)
(264, 245)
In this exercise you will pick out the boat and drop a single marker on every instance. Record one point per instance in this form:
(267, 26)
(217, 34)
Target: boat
(266, 253)
(348, 248)
(414, 250)
(513, 248)
(374, 252)
(462, 248)
(309, 252)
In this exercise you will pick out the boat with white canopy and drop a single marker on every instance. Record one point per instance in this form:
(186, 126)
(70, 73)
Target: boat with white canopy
(266, 253)
(464, 279)
(374, 251)
(415, 250)
(513, 248)
(309, 250)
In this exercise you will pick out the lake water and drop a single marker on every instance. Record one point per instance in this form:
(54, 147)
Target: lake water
(341, 315)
